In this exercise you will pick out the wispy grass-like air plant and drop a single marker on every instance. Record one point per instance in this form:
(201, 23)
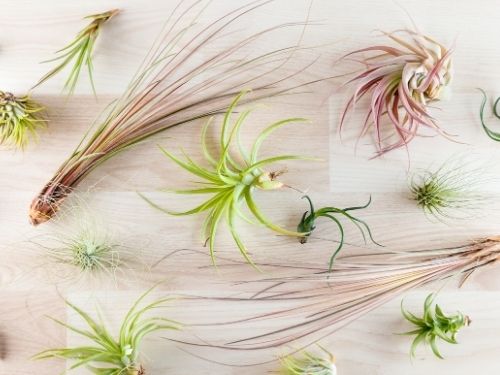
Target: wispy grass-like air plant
(400, 81)
(434, 325)
(490, 133)
(231, 179)
(307, 307)
(79, 52)
(109, 355)
(308, 223)
(185, 77)
(308, 363)
(20, 118)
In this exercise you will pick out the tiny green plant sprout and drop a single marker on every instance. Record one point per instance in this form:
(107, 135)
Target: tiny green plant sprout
(232, 179)
(490, 133)
(308, 223)
(434, 325)
(20, 118)
(308, 363)
(109, 355)
(79, 52)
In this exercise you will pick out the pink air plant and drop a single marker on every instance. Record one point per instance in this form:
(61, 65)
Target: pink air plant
(401, 81)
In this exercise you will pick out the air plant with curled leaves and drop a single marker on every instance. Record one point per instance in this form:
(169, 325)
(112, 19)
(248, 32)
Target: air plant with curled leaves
(79, 52)
(495, 135)
(434, 325)
(231, 179)
(20, 118)
(308, 223)
(309, 363)
(401, 80)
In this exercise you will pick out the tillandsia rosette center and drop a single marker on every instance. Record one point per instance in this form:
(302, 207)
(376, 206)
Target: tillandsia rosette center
(307, 223)
(231, 179)
(20, 118)
(434, 325)
(401, 80)
(308, 363)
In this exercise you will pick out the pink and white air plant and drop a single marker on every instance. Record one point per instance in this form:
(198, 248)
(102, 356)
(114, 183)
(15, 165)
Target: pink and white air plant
(401, 81)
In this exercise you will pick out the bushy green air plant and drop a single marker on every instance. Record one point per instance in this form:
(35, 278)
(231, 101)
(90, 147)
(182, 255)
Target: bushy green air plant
(451, 191)
(308, 363)
(79, 52)
(20, 118)
(434, 325)
(401, 81)
(490, 133)
(231, 179)
(308, 223)
(185, 77)
(109, 355)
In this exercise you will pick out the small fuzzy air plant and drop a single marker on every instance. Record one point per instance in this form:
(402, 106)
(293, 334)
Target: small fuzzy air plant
(434, 325)
(490, 133)
(20, 118)
(400, 81)
(109, 355)
(232, 179)
(449, 192)
(308, 223)
(79, 52)
(307, 363)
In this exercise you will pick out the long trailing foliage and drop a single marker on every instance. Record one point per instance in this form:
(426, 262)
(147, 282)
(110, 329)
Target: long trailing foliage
(434, 325)
(182, 79)
(79, 52)
(231, 178)
(400, 81)
(105, 354)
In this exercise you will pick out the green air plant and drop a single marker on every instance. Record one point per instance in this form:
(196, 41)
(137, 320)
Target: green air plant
(490, 133)
(433, 325)
(232, 179)
(451, 191)
(307, 363)
(79, 52)
(308, 223)
(107, 355)
(20, 117)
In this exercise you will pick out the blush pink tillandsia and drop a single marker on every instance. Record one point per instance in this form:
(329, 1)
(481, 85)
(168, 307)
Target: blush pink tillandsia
(401, 81)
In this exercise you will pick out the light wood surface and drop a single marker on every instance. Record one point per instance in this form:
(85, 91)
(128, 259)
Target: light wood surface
(166, 248)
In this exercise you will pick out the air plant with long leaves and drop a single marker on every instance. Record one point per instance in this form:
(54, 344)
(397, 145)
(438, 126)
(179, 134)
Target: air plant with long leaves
(109, 355)
(79, 52)
(308, 223)
(490, 133)
(20, 118)
(450, 191)
(309, 363)
(183, 78)
(434, 325)
(400, 81)
(231, 179)
(309, 306)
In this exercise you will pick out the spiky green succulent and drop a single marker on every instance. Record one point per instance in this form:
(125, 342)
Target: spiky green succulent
(308, 363)
(109, 355)
(79, 52)
(231, 179)
(308, 223)
(434, 325)
(20, 118)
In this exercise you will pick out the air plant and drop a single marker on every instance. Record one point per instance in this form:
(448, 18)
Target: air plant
(401, 80)
(110, 355)
(433, 325)
(308, 363)
(451, 191)
(490, 133)
(20, 118)
(308, 223)
(231, 179)
(183, 78)
(312, 305)
(79, 52)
